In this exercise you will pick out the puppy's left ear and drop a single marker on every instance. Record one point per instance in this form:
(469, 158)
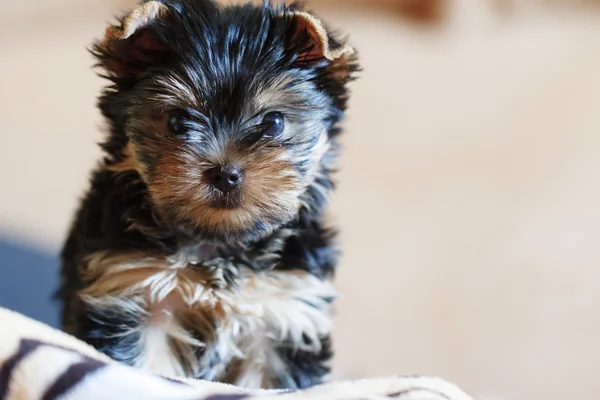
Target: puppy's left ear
(318, 43)
(133, 45)
(317, 48)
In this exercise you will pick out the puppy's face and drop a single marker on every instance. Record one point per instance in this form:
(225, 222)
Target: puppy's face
(227, 112)
(230, 157)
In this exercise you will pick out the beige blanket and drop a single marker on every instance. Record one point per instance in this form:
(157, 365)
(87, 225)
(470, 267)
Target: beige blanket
(41, 363)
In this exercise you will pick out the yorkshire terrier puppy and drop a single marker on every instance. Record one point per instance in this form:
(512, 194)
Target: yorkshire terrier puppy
(200, 249)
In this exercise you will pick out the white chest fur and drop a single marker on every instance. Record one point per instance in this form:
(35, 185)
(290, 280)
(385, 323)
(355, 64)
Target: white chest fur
(193, 321)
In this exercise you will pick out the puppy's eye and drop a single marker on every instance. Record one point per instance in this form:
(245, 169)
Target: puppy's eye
(272, 124)
(177, 122)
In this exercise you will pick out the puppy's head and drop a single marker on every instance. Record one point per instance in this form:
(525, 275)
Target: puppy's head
(227, 113)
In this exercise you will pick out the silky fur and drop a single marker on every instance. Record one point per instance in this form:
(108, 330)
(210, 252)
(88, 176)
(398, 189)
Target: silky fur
(163, 272)
(242, 324)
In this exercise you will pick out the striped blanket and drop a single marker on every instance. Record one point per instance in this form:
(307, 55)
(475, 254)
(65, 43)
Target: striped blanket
(41, 363)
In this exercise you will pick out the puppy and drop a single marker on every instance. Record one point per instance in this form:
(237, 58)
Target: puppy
(200, 248)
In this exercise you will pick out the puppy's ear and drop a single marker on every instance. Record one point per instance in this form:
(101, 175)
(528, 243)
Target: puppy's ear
(319, 43)
(334, 61)
(133, 45)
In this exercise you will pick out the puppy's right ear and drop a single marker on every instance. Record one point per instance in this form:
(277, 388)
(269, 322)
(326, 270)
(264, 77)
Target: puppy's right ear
(132, 46)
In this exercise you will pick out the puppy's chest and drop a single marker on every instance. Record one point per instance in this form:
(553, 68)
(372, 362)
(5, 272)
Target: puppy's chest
(203, 315)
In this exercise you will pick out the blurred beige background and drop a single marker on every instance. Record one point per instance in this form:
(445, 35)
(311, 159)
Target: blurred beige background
(469, 195)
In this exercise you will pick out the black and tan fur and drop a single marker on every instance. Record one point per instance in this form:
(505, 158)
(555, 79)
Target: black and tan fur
(163, 271)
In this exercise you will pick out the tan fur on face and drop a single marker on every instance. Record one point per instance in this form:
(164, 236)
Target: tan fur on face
(242, 324)
(270, 190)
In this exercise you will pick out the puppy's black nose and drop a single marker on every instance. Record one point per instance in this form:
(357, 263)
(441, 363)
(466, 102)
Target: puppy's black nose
(225, 178)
